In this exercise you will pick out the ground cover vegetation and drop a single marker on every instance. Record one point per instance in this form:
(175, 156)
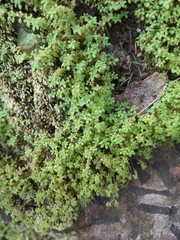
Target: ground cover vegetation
(63, 138)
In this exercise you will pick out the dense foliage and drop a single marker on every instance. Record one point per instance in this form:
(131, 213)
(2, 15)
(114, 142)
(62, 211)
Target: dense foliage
(63, 138)
(162, 33)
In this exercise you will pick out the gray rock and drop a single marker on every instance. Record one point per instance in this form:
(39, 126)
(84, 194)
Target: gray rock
(144, 93)
(148, 209)
(27, 40)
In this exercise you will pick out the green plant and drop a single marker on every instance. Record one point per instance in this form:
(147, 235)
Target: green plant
(10, 231)
(16, 232)
(70, 140)
(160, 38)
(110, 11)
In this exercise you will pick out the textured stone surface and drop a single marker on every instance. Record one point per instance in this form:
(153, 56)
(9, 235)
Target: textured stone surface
(144, 93)
(149, 208)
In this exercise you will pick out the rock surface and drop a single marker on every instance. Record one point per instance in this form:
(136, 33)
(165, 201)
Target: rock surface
(149, 208)
(144, 93)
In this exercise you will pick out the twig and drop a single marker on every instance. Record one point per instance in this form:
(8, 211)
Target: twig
(107, 32)
(177, 79)
(135, 48)
(148, 105)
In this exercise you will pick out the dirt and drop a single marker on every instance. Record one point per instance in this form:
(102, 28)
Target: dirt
(123, 37)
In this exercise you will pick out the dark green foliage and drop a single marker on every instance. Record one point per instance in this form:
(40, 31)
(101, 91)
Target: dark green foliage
(70, 140)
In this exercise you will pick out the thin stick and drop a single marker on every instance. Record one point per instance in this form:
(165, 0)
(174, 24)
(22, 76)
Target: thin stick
(176, 79)
(107, 31)
(148, 105)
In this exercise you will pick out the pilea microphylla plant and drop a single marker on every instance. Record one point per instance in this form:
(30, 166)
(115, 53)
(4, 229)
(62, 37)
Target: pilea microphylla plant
(63, 138)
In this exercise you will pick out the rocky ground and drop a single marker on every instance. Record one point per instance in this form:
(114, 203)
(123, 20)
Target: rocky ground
(149, 208)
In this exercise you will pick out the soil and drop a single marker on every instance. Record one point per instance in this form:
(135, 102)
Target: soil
(123, 38)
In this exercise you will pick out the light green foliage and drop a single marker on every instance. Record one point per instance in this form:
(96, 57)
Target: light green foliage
(111, 11)
(16, 232)
(6, 134)
(10, 231)
(161, 36)
(168, 108)
(68, 139)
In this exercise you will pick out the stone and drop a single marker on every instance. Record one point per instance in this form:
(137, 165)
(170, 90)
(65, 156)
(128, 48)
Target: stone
(149, 208)
(27, 40)
(143, 93)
